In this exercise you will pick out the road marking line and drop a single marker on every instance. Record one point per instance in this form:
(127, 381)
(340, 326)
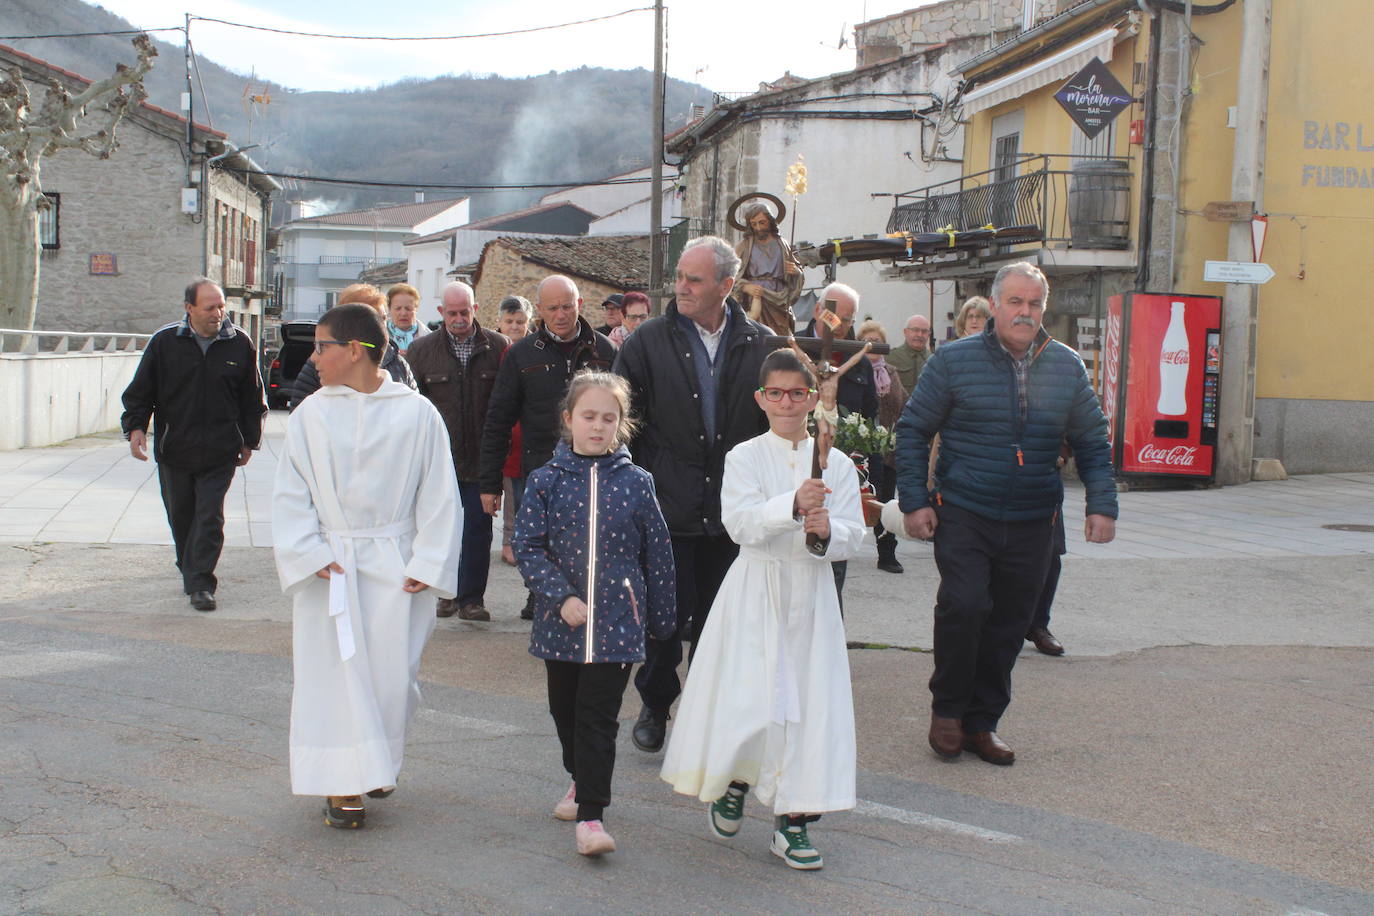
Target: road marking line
(931, 822)
(453, 720)
(32, 664)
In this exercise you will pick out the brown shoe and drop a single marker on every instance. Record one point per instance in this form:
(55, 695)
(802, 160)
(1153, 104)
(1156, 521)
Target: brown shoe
(446, 607)
(1045, 641)
(473, 612)
(946, 736)
(990, 747)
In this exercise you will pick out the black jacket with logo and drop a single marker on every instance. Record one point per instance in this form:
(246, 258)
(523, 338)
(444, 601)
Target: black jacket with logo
(671, 443)
(204, 406)
(530, 386)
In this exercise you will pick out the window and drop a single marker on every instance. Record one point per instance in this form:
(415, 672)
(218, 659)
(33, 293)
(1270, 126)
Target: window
(1104, 144)
(48, 222)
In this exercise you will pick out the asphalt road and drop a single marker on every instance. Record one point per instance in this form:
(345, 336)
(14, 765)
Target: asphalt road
(143, 762)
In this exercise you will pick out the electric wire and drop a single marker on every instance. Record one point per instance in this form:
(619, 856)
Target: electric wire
(375, 183)
(537, 28)
(177, 28)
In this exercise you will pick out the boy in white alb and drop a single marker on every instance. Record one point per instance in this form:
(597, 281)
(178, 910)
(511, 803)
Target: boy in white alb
(365, 526)
(768, 701)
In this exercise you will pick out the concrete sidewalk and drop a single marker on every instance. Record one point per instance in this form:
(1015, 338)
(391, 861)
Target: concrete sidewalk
(92, 491)
(1250, 565)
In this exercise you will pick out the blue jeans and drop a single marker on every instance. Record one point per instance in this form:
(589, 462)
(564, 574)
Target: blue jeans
(474, 563)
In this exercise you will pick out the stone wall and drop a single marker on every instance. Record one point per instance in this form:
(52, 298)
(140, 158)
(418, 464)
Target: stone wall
(505, 272)
(128, 206)
(904, 33)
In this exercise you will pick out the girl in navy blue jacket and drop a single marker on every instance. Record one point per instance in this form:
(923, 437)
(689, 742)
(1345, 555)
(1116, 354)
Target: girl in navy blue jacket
(594, 550)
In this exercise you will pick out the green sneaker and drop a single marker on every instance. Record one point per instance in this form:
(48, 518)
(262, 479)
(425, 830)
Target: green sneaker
(727, 812)
(792, 845)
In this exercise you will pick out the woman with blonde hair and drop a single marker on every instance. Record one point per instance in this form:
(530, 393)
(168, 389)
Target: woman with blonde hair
(973, 317)
(308, 381)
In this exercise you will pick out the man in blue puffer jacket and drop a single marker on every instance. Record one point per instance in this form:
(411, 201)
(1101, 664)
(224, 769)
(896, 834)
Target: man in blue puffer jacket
(1002, 401)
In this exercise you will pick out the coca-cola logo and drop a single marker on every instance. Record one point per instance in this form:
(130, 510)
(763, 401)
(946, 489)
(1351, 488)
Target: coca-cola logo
(1174, 357)
(1180, 456)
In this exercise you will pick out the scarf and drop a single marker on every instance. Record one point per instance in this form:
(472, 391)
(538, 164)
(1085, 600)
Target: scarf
(403, 338)
(880, 377)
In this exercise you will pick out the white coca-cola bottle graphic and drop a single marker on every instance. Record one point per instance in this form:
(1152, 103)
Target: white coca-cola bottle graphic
(1173, 366)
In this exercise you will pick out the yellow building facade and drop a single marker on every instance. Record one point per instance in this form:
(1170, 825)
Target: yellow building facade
(1303, 391)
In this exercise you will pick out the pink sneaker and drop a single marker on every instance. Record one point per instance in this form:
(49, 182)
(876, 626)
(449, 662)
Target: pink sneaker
(566, 810)
(592, 839)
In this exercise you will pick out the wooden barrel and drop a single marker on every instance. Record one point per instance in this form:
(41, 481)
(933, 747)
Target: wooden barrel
(1100, 204)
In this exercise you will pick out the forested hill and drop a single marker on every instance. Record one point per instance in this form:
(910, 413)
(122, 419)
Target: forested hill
(579, 124)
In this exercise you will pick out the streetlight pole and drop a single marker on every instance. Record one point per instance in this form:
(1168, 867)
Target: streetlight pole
(656, 167)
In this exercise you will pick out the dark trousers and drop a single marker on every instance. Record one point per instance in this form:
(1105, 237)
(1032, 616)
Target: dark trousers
(884, 481)
(195, 511)
(840, 569)
(585, 703)
(702, 563)
(474, 562)
(1041, 618)
(991, 573)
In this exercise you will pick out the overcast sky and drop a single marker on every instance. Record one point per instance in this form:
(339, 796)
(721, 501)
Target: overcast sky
(726, 45)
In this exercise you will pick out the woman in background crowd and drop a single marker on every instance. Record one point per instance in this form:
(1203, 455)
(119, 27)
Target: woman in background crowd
(308, 380)
(401, 324)
(973, 317)
(636, 312)
(514, 315)
(882, 469)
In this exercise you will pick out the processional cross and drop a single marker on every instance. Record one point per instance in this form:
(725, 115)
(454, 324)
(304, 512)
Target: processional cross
(828, 377)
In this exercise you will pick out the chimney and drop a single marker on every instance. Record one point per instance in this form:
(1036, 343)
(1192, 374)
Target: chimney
(1027, 14)
(419, 197)
(698, 112)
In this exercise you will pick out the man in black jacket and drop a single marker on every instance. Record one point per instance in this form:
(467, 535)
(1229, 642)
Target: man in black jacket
(693, 372)
(198, 382)
(456, 369)
(531, 383)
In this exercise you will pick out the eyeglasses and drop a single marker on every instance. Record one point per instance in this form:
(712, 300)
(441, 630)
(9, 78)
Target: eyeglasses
(797, 395)
(629, 317)
(319, 344)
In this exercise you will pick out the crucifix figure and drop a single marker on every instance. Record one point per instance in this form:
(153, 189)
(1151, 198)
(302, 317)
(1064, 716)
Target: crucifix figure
(828, 376)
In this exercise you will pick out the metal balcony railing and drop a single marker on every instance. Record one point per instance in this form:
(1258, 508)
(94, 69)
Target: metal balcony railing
(1078, 201)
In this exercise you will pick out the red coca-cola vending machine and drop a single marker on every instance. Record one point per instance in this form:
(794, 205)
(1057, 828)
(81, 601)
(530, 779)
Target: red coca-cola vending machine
(1161, 375)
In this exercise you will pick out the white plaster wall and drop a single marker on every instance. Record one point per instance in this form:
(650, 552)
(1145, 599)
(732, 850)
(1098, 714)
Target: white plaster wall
(426, 261)
(456, 215)
(48, 397)
(634, 219)
(848, 161)
(603, 199)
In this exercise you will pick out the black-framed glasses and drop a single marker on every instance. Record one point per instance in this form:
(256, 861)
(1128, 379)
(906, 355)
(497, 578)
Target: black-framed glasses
(319, 344)
(797, 395)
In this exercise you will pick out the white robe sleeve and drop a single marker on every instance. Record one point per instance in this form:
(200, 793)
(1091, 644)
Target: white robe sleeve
(299, 547)
(438, 519)
(847, 529)
(748, 515)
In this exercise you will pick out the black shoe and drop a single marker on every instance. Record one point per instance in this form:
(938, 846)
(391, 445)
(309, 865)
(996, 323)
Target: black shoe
(890, 564)
(527, 612)
(649, 730)
(203, 600)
